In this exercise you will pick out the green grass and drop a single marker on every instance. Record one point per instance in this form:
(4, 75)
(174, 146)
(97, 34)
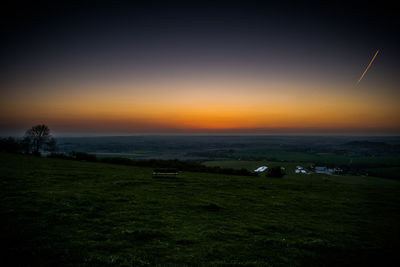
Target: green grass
(63, 212)
(390, 172)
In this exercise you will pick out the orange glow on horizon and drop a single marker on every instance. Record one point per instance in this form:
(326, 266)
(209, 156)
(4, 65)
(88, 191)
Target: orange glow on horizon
(241, 104)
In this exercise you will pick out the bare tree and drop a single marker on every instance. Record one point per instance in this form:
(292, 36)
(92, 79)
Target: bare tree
(39, 138)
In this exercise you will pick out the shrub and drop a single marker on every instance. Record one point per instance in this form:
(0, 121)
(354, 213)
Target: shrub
(275, 171)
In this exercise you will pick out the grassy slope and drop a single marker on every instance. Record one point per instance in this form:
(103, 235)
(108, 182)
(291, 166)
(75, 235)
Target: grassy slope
(78, 213)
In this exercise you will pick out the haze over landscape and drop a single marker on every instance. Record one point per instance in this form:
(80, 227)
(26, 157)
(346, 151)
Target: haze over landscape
(186, 68)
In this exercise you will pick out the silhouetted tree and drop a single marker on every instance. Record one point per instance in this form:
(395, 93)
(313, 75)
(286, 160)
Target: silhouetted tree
(38, 138)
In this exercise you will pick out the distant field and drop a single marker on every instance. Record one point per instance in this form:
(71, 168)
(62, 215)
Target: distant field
(64, 212)
(327, 158)
(327, 149)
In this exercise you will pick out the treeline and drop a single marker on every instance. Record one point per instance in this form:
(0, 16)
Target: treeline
(14, 145)
(11, 145)
(37, 139)
(26, 145)
(154, 163)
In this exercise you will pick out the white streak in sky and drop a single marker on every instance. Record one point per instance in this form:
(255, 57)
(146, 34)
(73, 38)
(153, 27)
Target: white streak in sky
(369, 65)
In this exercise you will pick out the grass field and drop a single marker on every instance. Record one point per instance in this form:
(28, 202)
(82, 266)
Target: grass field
(64, 212)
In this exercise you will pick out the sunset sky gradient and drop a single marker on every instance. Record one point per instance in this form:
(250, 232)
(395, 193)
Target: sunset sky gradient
(179, 68)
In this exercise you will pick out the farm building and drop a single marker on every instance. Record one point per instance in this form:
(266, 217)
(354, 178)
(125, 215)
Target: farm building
(323, 169)
(338, 170)
(261, 169)
(300, 169)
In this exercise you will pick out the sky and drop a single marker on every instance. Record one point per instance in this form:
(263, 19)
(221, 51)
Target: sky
(183, 67)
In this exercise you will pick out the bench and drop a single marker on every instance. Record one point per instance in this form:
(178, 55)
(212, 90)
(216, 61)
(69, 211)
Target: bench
(165, 172)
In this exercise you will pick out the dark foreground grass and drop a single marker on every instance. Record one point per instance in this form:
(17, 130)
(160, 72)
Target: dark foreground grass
(60, 212)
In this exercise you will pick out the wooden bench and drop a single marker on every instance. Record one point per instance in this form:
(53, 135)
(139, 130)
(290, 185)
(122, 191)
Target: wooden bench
(165, 172)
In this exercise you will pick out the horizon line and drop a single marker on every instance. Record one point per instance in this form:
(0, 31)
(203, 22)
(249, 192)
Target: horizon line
(213, 135)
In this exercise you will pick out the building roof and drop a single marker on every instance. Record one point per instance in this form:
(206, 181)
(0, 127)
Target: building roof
(261, 169)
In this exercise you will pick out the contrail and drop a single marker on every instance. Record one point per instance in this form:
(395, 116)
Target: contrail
(369, 65)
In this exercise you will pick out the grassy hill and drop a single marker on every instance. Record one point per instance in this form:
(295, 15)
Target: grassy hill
(64, 212)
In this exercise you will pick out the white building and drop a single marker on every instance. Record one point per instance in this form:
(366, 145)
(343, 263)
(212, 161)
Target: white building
(261, 169)
(323, 169)
(300, 169)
